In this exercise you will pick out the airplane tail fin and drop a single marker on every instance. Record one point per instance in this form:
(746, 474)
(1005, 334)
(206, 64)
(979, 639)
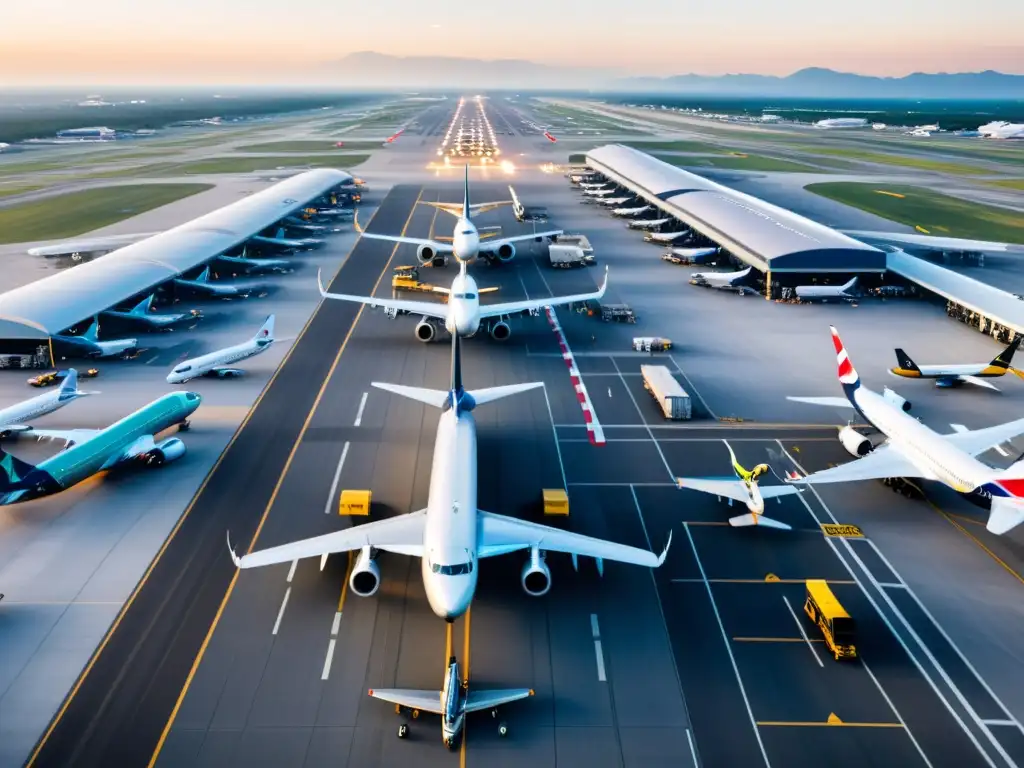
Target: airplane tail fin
(905, 362)
(92, 333)
(466, 208)
(12, 472)
(736, 466)
(1005, 515)
(849, 285)
(204, 276)
(69, 387)
(847, 373)
(266, 331)
(280, 233)
(143, 306)
(1004, 358)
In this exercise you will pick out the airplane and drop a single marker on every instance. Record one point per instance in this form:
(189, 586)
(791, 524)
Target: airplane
(140, 313)
(824, 292)
(203, 284)
(599, 192)
(452, 535)
(279, 240)
(93, 245)
(453, 702)
(214, 363)
(89, 451)
(647, 223)
(253, 265)
(661, 238)
(744, 489)
(912, 450)
(695, 255)
(719, 279)
(955, 375)
(465, 244)
(463, 314)
(631, 211)
(613, 201)
(15, 418)
(527, 213)
(595, 184)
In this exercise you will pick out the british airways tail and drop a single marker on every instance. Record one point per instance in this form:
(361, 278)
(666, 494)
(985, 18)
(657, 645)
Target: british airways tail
(847, 373)
(456, 397)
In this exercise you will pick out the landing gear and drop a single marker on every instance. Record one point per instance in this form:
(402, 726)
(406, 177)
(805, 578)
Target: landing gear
(904, 487)
(502, 726)
(184, 426)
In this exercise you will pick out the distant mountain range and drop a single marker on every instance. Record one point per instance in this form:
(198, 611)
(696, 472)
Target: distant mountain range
(371, 70)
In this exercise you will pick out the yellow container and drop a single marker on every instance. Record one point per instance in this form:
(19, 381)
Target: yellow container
(556, 502)
(354, 503)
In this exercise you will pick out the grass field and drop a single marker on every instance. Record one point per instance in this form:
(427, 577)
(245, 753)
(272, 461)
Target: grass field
(246, 164)
(930, 211)
(904, 161)
(1009, 183)
(6, 190)
(682, 145)
(326, 145)
(77, 212)
(739, 163)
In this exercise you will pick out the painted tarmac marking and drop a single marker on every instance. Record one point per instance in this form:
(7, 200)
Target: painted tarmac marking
(728, 647)
(291, 571)
(693, 748)
(595, 433)
(280, 613)
(329, 660)
(336, 624)
(814, 724)
(692, 388)
(803, 634)
(554, 431)
(753, 581)
(595, 632)
(362, 406)
(776, 640)
(895, 711)
(899, 638)
(334, 483)
(949, 516)
(645, 426)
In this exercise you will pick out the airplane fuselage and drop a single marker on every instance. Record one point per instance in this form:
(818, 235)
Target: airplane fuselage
(200, 366)
(985, 370)
(463, 306)
(34, 407)
(465, 241)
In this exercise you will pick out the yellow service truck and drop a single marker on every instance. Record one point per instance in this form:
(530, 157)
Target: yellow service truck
(836, 625)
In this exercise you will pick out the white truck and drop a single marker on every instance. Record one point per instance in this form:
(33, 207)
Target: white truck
(567, 256)
(670, 396)
(580, 241)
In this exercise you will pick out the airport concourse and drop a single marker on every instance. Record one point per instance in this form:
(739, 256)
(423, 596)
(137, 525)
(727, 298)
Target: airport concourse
(503, 437)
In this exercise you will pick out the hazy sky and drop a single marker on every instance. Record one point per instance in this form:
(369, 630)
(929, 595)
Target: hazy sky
(267, 41)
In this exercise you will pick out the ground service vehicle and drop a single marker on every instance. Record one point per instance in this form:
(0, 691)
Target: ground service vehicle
(835, 623)
(566, 256)
(355, 502)
(651, 344)
(666, 391)
(580, 241)
(56, 377)
(556, 501)
(621, 313)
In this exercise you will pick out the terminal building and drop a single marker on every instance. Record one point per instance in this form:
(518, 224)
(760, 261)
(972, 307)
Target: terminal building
(788, 249)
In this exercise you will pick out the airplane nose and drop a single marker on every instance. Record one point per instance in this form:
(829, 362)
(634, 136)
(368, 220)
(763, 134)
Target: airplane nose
(451, 601)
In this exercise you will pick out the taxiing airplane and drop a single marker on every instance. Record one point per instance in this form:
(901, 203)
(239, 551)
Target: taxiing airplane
(825, 292)
(153, 320)
(648, 223)
(453, 702)
(745, 489)
(16, 418)
(465, 244)
(452, 535)
(955, 375)
(218, 363)
(719, 279)
(912, 450)
(133, 438)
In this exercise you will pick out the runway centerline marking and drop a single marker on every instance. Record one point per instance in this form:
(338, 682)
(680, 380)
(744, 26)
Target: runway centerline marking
(803, 634)
(291, 570)
(645, 426)
(362, 407)
(280, 613)
(328, 661)
(776, 640)
(558, 450)
(895, 711)
(595, 632)
(337, 478)
(693, 389)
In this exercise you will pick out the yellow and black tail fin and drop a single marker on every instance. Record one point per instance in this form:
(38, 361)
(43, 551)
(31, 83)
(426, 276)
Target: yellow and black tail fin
(905, 363)
(1004, 358)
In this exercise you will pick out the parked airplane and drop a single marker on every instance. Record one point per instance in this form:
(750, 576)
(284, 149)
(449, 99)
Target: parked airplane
(648, 223)
(133, 438)
(661, 238)
(253, 265)
(156, 321)
(463, 314)
(719, 279)
(744, 489)
(825, 292)
(595, 184)
(612, 202)
(451, 535)
(631, 211)
(955, 375)
(203, 284)
(465, 244)
(16, 418)
(92, 245)
(217, 363)
(912, 450)
(88, 344)
(695, 255)
(279, 240)
(599, 192)
(453, 702)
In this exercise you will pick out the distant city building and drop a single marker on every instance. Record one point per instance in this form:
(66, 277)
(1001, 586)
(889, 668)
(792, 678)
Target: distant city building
(87, 133)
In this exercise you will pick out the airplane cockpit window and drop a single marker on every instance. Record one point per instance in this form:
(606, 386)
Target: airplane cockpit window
(467, 231)
(191, 396)
(183, 369)
(458, 569)
(469, 295)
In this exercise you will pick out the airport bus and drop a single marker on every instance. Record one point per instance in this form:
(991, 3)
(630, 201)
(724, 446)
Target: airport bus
(828, 614)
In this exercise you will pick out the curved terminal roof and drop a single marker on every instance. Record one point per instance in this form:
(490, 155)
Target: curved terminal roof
(761, 234)
(51, 305)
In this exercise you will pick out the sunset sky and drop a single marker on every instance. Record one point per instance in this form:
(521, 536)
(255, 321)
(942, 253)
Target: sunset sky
(267, 42)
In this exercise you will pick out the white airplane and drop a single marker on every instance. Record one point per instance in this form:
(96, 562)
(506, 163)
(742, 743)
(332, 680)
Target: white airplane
(665, 237)
(217, 363)
(695, 255)
(955, 375)
(15, 418)
(719, 279)
(140, 313)
(465, 243)
(452, 535)
(745, 489)
(912, 450)
(611, 202)
(93, 245)
(88, 344)
(203, 284)
(594, 185)
(631, 211)
(647, 223)
(463, 314)
(453, 702)
(599, 192)
(824, 292)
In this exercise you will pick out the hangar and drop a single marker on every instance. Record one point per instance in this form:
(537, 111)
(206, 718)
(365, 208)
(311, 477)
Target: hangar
(33, 315)
(765, 236)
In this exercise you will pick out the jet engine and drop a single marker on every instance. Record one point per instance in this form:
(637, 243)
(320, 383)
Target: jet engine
(500, 331)
(854, 442)
(167, 450)
(365, 578)
(425, 331)
(894, 399)
(425, 254)
(506, 252)
(536, 576)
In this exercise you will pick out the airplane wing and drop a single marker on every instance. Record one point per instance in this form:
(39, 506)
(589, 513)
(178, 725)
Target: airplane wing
(499, 535)
(426, 308)
(882, 462)
(773, 491)
(836, 402)
(437, 246)
(512, 307)
(975, 442)
(978, 382)
(730, 489)
(493, 245)
(69, 436)
(424, 701)
(478, 700)
(402, 534)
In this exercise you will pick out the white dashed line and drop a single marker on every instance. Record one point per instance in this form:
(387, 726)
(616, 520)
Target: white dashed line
(362, 406)
(280, 613)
